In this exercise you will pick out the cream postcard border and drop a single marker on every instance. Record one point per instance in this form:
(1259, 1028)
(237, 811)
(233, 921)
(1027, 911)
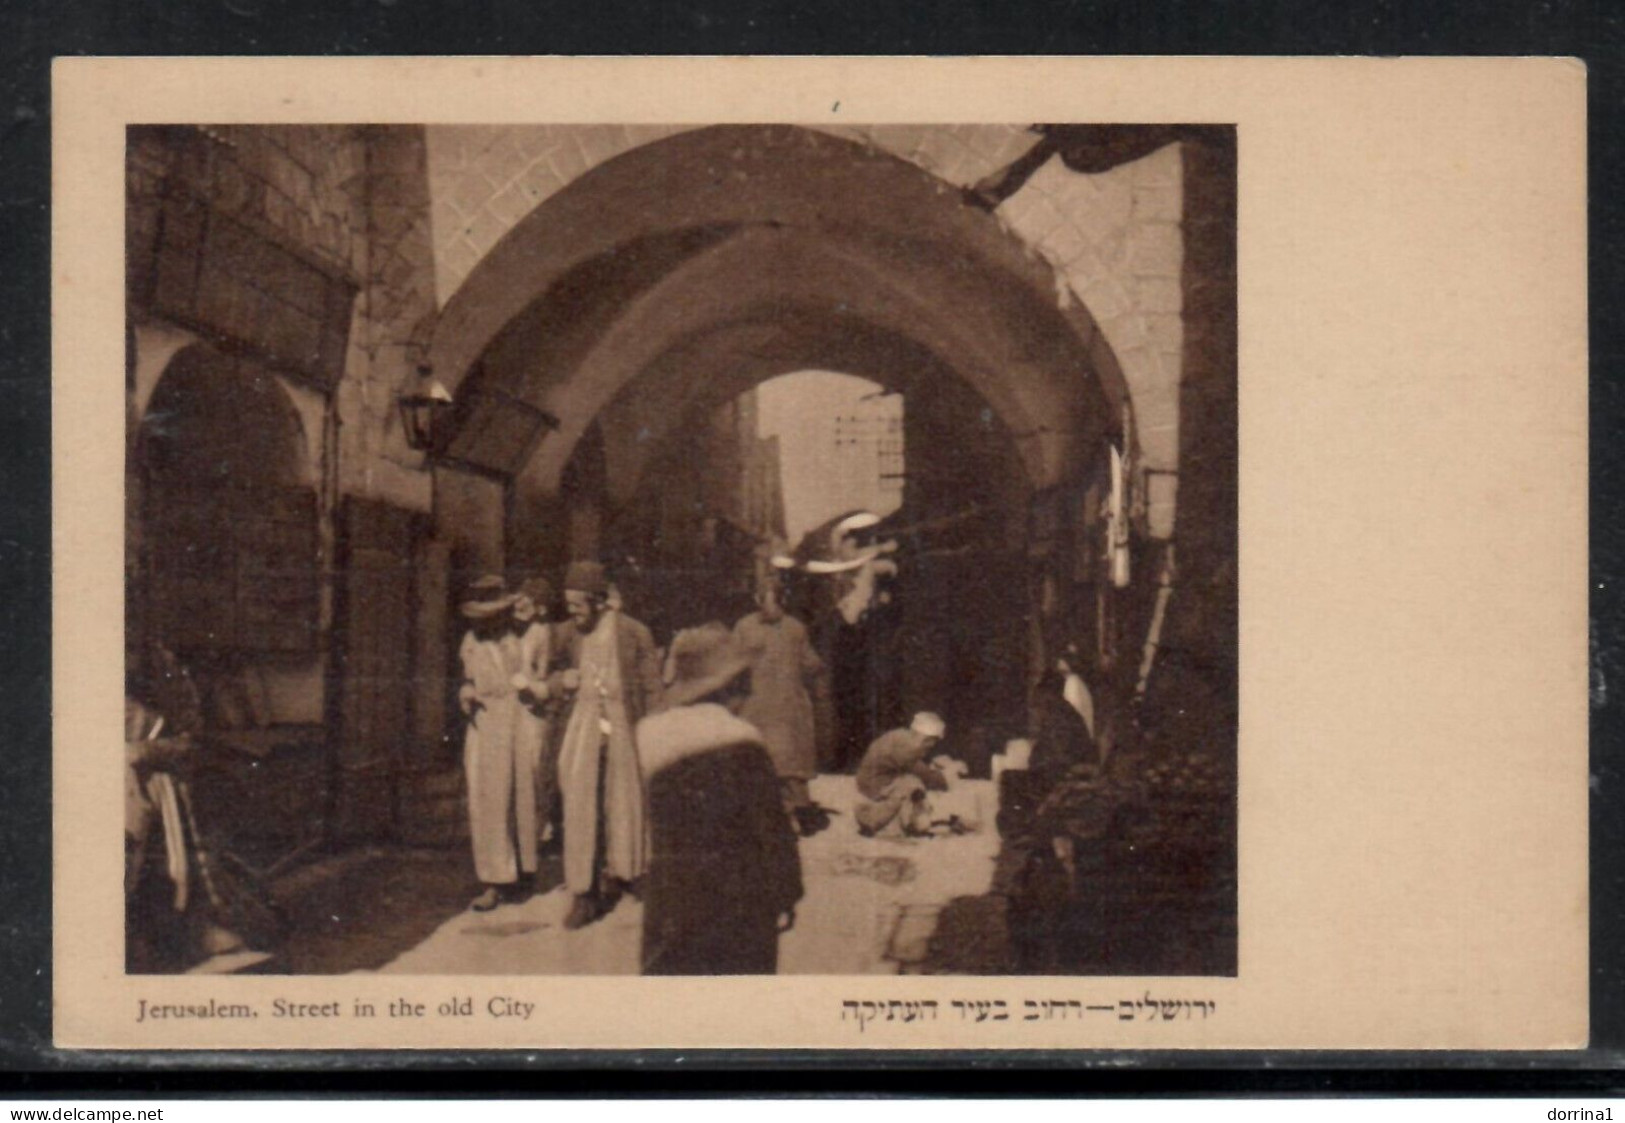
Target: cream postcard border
(1413, 546)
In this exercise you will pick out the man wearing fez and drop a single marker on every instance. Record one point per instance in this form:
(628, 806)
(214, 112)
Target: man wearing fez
(724, 871)
(613, 679)
(501, 780)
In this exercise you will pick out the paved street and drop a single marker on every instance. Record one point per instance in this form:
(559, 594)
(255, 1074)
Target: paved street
(870, 907)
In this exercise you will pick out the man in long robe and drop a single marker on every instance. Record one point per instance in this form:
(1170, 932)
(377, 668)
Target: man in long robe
(786, 674)
(855, 619)
(499, 779)
(614, 678)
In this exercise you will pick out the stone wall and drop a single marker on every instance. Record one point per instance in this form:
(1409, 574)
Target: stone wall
(469, 515)
(1193, 694)
(304, 182)
(353, 202)
(1115, 238)
(484, 178)
(398, 292)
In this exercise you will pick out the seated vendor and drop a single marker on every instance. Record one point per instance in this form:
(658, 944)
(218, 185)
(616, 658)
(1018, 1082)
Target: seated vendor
(893, 778)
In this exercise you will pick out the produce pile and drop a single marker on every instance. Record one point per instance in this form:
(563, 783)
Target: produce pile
(1127, 869)
(972, 937)
(1166, 820)
(1173, 796)
(1188, 798)
(1123, 870)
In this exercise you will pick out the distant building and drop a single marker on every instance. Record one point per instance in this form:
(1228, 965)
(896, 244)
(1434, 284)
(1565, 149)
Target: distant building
(841, 445)
(741, 472)
(868, 451)
(764, 488)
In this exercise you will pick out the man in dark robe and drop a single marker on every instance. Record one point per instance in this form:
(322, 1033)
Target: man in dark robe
(724, 871)
(1059, 734)
(857, 626)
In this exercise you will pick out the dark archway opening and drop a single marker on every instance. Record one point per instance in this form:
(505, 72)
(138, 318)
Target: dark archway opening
(228, 566)
(690, 523)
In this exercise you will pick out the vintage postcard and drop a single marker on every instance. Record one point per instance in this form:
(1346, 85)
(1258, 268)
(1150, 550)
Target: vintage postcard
(886, 553)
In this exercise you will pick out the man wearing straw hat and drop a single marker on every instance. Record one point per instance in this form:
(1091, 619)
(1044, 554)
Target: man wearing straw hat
(724, 871)
(853, 631)
(614, 678)
(498, 779)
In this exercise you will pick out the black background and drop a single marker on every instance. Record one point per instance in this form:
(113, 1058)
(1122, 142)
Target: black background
(32, 33)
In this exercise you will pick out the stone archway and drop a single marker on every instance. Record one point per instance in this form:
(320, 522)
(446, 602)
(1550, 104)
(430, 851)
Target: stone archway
(608, 273)
(217, 421)
(225, 563)
(698, 265)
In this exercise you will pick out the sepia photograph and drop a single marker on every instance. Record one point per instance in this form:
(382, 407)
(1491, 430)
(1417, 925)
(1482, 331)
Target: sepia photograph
(883, 554)
(714, 550)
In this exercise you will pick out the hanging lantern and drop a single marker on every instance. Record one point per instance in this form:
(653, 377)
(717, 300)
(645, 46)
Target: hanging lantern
(424, 411)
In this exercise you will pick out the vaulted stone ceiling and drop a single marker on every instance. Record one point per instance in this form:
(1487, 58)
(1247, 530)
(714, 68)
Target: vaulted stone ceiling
(675, 240)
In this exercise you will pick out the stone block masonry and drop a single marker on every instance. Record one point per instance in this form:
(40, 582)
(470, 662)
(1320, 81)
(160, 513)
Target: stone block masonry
(1114, 239)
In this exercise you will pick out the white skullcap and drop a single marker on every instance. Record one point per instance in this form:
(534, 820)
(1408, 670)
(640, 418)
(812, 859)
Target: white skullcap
(928, 724)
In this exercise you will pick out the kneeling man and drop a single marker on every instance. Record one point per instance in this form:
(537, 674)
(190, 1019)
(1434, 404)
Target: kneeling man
(893, 778)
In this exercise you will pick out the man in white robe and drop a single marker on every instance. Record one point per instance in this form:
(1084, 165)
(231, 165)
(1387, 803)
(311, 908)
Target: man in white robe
(489, 699)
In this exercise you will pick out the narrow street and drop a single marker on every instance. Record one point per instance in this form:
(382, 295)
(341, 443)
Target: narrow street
(871, 906)
(865, 381)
